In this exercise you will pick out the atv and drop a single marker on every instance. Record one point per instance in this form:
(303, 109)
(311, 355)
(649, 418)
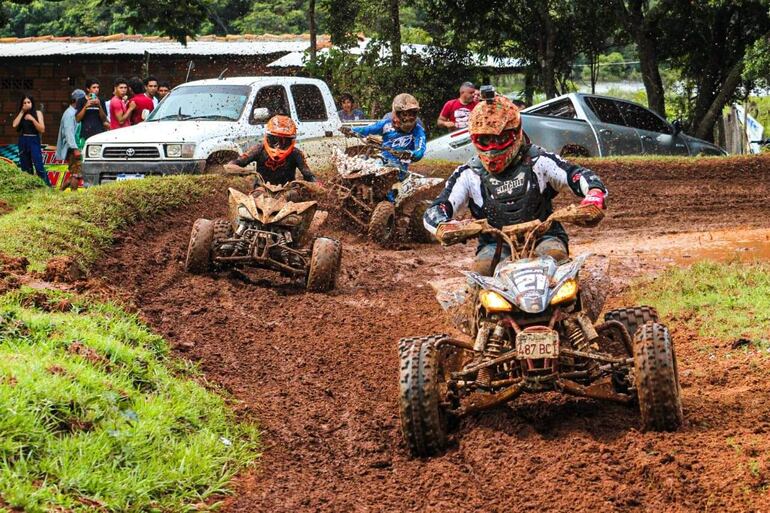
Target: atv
(271, 228)
(527, 331)
(364, 190)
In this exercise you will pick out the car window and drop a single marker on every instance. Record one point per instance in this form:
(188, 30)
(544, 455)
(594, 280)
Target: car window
(606, 110)
(641, 118)
(274, 99)
(560, 109)
(204, 102)
(309, 102)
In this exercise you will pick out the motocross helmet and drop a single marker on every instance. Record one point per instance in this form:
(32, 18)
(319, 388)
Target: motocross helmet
(280, 138)
(405, 110)
(495, 128)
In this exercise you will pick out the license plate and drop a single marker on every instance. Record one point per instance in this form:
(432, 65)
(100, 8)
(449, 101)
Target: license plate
(531, 345)
(129, 176)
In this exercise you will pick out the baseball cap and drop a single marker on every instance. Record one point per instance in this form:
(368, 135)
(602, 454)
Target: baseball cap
(78, 94)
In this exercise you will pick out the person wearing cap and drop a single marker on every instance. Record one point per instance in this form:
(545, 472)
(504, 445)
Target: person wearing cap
(457, 112)
(66, 144)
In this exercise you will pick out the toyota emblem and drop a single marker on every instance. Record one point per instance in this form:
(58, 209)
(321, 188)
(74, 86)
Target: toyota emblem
(130, 152)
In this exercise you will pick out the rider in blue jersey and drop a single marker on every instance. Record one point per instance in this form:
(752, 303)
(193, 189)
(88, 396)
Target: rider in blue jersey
(400, 132)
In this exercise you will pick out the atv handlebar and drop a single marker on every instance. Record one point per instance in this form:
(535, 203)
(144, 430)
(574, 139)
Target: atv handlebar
(376, 143)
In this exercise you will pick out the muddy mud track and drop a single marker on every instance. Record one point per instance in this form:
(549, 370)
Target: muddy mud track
(319, 373)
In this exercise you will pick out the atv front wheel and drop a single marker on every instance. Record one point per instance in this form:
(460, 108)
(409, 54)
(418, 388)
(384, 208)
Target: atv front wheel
(424, 418)
(382, 224)
(324, 264)
(632, 318)
(657, 378)
(222, 229)
(199, 250)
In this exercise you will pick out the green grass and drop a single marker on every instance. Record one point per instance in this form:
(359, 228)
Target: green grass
(17, 187)
(82, 225)
(724, 301)
(94, 412)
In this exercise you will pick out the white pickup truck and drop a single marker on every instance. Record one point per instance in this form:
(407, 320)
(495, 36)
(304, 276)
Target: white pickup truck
(203, 124)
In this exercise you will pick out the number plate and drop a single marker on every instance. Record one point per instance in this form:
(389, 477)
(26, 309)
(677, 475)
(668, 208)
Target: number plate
(532, 345)
(129, 176)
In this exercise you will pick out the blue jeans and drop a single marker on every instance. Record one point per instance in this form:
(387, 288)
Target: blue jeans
(29, 153)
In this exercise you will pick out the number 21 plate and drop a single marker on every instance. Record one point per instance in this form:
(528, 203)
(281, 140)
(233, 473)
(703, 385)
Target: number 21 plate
(537, 344)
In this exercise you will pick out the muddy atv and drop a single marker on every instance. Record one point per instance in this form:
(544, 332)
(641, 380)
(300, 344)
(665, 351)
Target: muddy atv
(271, 228)
(528, 331)
(360, 193)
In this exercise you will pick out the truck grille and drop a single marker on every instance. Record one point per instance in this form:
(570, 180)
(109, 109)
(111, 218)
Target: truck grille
(130, 152)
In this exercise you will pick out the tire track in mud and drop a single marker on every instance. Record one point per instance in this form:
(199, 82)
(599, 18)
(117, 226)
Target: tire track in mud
(319, 373)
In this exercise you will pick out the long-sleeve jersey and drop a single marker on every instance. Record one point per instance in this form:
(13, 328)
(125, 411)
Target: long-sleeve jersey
(470, 185)
(394, 138)
(276, 174)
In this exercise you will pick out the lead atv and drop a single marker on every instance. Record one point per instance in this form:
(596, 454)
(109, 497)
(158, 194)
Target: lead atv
(529, 332)
(362, 187)
(271, 228)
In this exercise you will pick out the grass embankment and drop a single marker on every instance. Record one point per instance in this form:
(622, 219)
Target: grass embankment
(17, 187)
(94, 416)
(83, 225)
(715, 300)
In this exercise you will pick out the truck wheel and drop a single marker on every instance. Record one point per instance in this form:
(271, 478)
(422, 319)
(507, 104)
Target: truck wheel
(424, 418)
(325, 261)
(657, 378)
(633, 317)
(417, 231)
(199, 250)
(382, 224)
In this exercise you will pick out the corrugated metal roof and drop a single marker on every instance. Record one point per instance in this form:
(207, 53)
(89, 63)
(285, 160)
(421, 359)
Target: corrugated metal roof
(120, 44)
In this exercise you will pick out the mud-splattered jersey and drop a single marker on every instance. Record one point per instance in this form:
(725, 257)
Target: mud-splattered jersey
(394, 138)
(276, 174)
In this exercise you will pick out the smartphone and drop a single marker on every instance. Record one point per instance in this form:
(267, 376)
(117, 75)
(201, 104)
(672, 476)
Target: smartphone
(93, 96)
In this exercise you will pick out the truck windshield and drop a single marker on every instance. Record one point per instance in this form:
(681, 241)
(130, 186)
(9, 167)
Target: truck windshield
(204, 102)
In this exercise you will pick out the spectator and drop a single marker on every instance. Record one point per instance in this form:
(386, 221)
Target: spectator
(92, 111)
(120, 108)
(67, 145)
(163, 89)
(457, 112)
(348, 113)
(140, 100)
(151, 89)
(29, 123)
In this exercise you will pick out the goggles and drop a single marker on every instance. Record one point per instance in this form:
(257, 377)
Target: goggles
(279, 142)
(489, 142)
(407, 114)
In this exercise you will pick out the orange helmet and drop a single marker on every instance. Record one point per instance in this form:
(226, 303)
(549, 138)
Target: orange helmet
(495, 129)
(280, 138)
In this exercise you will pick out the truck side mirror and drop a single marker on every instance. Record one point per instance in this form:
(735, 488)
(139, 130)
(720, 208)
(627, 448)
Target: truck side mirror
(677, 126)
(260, 115)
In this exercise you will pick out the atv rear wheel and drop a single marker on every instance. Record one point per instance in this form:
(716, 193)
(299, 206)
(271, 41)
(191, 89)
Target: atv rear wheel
(632, 318)
(324, 264)
(657, 378)
(199, 250)
(222, 229)
(417, 231)
(424, 418)
(382, 224)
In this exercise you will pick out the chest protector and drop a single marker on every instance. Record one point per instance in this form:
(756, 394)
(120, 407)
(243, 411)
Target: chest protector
(514, 196)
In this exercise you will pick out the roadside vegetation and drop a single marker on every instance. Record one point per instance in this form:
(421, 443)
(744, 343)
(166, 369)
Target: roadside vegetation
(82, 225)
(726, 301)
(17, 187)
(94, 415)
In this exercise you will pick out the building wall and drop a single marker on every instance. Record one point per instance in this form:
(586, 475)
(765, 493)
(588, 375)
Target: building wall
(50, 80)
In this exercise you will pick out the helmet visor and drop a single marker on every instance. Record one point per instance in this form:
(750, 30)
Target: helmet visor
(490, 142)
(407, 115)
(278, 142)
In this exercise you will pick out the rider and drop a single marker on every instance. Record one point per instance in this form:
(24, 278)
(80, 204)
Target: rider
(277, 156)
(510, 181)
(400, 132)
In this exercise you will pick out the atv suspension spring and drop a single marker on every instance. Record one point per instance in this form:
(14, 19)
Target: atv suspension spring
(494, 348)
(577, 338)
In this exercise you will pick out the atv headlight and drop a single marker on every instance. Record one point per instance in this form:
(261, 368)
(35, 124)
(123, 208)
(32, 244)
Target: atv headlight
(291, 220)
(567, 292)
(494, 302)
(244, 213)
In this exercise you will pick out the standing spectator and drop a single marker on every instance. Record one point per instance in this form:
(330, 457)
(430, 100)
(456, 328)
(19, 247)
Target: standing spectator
(163, 89)
(67, 145)
(92, 111)
(140, 100)
(120, 108)
(347, 113)
(29, 123)
(151, 89)
(457, 112)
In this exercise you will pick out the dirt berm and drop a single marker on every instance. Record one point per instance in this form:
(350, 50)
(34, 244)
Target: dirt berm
(319, 373)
